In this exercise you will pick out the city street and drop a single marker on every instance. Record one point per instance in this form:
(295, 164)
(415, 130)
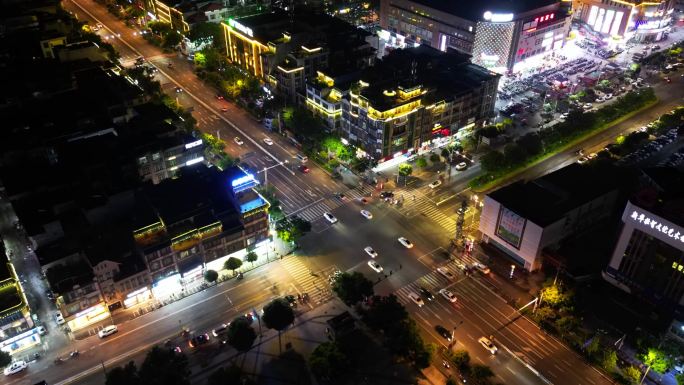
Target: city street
(426, 216)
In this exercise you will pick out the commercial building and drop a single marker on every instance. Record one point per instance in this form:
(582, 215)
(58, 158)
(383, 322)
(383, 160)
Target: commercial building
(17, 331)
(498, 34)
(524, 218)
(284, 49)
(412, 100)
(648, 259)
(639, 20)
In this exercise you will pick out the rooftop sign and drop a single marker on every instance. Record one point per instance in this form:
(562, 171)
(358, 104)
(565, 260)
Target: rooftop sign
(498, 17)
(246, 30)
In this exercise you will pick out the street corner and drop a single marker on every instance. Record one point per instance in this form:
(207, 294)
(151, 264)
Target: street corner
(435, 257)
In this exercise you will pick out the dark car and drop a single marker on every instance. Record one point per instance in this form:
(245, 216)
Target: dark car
(291, 300)
(442, 331)
(386, 194)
(426, 293)
(304, 169)
(199, 340)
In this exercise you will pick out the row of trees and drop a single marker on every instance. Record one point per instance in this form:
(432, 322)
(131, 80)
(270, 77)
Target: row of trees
(385, 315)
(578, 123)
(165, 366)
(290, 229)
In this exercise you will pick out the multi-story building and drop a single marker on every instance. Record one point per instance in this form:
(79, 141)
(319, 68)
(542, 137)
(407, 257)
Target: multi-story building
(16, 325)
(165, 157)
(637, 19)
(285, 49)
(648, 259)
(414, 99)
(497, 36)
(524, 218)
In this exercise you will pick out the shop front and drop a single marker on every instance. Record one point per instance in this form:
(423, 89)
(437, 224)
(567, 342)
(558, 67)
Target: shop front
(167, 287)
(88, 317)
(137, 297)
(21, 342)
(191, 269)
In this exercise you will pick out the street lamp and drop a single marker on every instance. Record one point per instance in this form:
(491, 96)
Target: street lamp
(265, 171)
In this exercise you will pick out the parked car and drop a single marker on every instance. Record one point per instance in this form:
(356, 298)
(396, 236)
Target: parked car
(461, 166)
(107, 331)
(199, 340)
(15, 367)
(268, 141)
(223, 329)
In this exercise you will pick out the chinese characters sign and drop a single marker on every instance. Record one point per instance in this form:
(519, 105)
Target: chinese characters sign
(655, 224)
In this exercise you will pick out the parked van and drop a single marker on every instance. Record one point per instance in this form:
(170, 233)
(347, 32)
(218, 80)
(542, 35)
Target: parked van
(302, 158)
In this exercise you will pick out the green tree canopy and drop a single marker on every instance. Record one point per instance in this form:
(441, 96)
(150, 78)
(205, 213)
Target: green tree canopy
(434, 158)
(232, 263)
(352, 287)
(211, 276)
(278, 315)
(633, 374)
(405, 169)
(656, 359)
(230, 375)
(240, 334)
(5, 358)
(514, 154)
(251, 257)
(493, 161)
(384, 311)
(421, 162)
(123, 375)
(609, 360)
(481, 374)
(327, 361)
(460, 358)
(164, 367)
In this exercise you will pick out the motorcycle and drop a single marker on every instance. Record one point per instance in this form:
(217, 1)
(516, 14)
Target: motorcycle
(74, 354)
(446, 364)
(240, 276)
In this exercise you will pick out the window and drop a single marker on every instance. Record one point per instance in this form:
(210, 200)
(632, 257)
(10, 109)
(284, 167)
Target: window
(142, 160)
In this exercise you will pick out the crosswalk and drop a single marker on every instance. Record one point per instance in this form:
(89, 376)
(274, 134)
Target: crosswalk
(315, 211)
(315, 284)
(425, 207)
(434, 281)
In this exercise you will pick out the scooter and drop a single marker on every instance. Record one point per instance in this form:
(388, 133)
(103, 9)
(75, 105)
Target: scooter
(240, 276)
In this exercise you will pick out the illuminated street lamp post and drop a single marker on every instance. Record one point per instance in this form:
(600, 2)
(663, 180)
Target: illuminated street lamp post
(265, 171)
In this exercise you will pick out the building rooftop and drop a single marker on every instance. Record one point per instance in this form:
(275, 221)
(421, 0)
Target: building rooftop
(663, 193)
(443, 75)
(547, 199)
(474, 10)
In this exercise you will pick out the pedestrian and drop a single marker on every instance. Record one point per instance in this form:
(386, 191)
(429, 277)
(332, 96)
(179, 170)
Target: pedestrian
(400, 266)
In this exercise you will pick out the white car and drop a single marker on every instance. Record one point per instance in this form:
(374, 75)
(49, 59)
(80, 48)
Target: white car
(367, 214)
(461, 166)
(238, 141)
(331, 218)
(582, 160)
(268, 141)
(446, 273)
(223, 329)
(407, 244)
(375, 266)
(609, 96)
(435, 184)
(15, 367)
(449, 296)
(370, 251)
(416, 299)
(483, 269)
(107, 331)
(484, 341)
(59, 318)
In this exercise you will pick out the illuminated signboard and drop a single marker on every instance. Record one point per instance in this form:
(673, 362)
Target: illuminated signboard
(193, 144)
(534, 23)
(246, 30)
(647, 220)
(498, 17)
(247, 179)
(510, 227)
(194, 161)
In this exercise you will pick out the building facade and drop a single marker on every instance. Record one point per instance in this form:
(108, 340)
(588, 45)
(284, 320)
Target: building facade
(648, 261)
(170, 157)
(639, 20)
(414, 100)
(497, 37)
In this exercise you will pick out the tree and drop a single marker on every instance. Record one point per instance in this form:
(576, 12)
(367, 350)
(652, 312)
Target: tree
(405, 169)
(609, 360)
(327, 361)
(404, 340)
(292, 228)
(241, 334)
(594, 346)
(5, 358)
(126, 375)
(531, 143)
(352, 287)
(514, 154)
(633, 374)
(210, 276)
(434, 158)
(171, 39)
(446, 154)
(226, 376)
(553, 295)
(164, 366)
(493, 161)
(233, 264)
(680, 379)
(159, 27)
(421, 162)
(544, 314)
(566, 324)
(481, 374)
(278, 315)
(251, 257)
(384, 311)
(460, 358)
(656, 360)
(206, 33)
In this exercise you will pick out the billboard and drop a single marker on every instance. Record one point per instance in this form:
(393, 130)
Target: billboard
(510, 227)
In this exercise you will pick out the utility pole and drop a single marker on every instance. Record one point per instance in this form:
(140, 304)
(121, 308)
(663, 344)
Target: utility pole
(460, 221)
